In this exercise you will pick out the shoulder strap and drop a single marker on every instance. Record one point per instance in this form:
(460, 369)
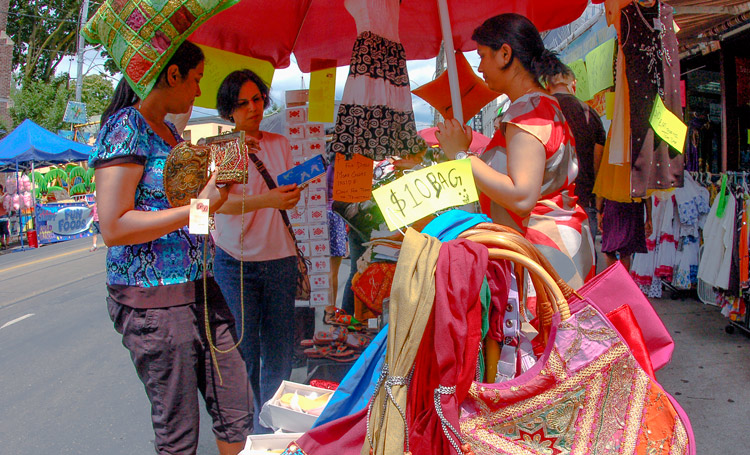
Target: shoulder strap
(271, 185)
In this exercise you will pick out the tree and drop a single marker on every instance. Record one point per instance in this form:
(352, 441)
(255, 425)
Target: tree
(96, 93)
(44, 32)
(44, 102)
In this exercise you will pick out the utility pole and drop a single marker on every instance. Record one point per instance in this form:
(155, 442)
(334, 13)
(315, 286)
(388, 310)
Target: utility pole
(439, 68)
(81, 45)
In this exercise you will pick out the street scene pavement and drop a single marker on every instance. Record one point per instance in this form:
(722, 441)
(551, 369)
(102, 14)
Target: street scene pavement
(67, 384)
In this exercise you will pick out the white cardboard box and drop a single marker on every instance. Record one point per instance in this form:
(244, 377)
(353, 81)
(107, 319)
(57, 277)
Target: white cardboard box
(260, 444)
(287, 419)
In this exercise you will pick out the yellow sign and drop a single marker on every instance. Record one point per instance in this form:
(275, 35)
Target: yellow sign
(582, 77)
(668, 126)
(610, 104)
(218, 64)
(599, 65)
(322, 90)
(426, 191)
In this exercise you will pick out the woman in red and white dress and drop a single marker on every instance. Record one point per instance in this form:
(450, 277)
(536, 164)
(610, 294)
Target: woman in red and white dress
(529, 166)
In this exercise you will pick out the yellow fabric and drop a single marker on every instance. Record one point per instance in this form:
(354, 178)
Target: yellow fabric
(613, 179)
(412, 297)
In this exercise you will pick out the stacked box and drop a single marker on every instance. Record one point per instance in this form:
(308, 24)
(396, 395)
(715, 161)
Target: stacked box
(310, 217)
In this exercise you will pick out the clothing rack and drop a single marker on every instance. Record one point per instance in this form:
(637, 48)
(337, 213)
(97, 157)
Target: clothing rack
(744, 325)
(738, 182)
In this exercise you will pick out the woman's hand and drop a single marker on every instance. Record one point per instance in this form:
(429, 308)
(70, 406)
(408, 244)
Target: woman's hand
(216, 196)
(284, 197)
(453, 137)
(252, 144)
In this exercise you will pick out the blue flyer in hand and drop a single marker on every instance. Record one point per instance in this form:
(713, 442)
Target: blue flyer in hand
(303, 173)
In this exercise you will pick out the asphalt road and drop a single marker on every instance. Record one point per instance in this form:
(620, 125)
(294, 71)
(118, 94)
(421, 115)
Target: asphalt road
(67, 385)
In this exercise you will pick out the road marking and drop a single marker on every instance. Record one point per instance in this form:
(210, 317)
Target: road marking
(42, 260)
(16, 320)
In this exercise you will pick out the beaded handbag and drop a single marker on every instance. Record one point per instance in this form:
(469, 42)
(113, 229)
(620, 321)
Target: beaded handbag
(586, 394)
(187, 168)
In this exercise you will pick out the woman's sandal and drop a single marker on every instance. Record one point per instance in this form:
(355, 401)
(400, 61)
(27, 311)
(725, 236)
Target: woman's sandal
(337, 316)
(333, 335)
(341, 353)
(357, 341)
(318, 352)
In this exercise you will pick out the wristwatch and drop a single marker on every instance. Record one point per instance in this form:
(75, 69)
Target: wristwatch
(463, 154)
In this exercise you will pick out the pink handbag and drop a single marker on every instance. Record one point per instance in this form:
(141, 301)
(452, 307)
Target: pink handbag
(586, 394)
(611, 289)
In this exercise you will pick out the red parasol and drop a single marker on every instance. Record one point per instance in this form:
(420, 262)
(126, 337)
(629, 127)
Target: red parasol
(272, 30)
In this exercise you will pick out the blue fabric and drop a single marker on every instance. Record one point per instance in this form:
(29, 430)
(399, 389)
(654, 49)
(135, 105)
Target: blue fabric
(172, 259)
(358, 386)
(451, 224)
(31, 142)
(268, 337)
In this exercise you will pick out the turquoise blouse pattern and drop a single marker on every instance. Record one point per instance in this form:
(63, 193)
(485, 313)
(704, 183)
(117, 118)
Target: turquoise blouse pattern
(172, 259)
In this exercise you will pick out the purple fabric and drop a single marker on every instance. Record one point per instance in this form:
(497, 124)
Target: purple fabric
(623, 228)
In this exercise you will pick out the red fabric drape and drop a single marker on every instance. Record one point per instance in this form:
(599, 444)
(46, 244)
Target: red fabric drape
(449, 349)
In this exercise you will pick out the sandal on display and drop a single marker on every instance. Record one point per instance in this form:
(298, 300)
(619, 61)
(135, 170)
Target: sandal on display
(318, 352)
(335, 334)
(357, 341)
(337, 316)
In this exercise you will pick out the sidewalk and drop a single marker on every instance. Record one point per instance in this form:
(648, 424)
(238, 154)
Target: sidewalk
(709, 375)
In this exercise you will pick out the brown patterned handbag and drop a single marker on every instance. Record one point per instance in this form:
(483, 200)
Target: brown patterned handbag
(187, 168)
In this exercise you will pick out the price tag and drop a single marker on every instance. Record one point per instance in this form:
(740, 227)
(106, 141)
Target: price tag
(198, 217)
(668, 126)
(426, 191)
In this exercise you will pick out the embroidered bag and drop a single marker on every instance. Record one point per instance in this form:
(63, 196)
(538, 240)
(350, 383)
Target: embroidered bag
(303, 264)
(586, 394)
(187, 167)
(608, 291)
(142, 35)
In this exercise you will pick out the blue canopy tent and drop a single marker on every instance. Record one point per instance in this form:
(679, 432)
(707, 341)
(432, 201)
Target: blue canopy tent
(31, 145)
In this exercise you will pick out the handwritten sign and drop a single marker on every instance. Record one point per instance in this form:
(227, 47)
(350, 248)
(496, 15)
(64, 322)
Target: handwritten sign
(426, 191)
(668, 126)
(599, 66)
(322, 90)
(582, 78)
(352, 180)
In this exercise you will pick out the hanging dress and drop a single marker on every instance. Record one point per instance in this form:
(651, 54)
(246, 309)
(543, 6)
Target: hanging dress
(375, 117)
(557, 226)
(652, 66)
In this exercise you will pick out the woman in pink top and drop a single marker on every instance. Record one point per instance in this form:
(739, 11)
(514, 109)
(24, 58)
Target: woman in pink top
(259, 242)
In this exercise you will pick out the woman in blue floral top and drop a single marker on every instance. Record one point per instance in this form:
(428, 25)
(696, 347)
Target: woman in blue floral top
(155, 269)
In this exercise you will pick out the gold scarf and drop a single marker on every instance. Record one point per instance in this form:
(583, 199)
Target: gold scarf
(412, 297)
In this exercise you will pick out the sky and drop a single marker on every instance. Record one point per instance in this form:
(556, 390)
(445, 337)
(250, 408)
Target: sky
(291, 78)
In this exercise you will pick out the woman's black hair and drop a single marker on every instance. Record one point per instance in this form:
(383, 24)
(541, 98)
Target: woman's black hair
(124, 96)
(523, 38)
(229, 91)
(188, 56)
